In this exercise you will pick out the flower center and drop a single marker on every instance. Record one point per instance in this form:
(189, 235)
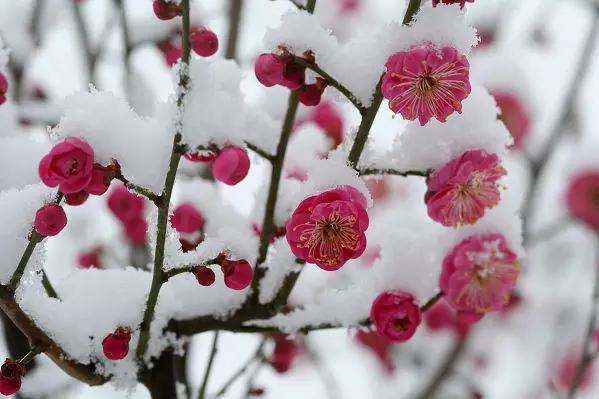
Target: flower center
(426, 84)
(73, 168)
(402, 324)
(328, 236)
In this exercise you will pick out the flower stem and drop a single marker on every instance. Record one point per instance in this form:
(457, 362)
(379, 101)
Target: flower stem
(163, 209)
(202, 393)
(33, 352)
(34, 239)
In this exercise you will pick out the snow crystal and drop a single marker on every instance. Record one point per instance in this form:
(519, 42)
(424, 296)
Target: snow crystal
(18, 211)
(141, 145)
(354, 63)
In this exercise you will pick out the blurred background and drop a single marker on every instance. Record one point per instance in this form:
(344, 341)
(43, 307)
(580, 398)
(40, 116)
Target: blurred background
(537, 57)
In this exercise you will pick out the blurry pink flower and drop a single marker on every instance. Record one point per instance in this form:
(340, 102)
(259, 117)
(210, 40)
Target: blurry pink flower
(460, 191)
(269, 69)
(166, 10)
(378, 187)
(423, 83)
(187, 219)
(350, 6)
(565, 373)
(514, 115)
(100, 181)
(204, 42)
(371, 255)
(329, 119)
(116, 345)
(396, 315)
(10, 377)
(238, 274)
(379, 345)
(171, 52)
(284, 353)
(462, 3)
(479, 274)
(328, 229)
(68, 165)
(125, 205)
(50, 219)
(200, 156)
(3, 88)
(136, 230)
(582, 197)
(231, 165)
(90, 259)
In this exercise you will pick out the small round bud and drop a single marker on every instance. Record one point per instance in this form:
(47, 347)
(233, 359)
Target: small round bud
(50, 219)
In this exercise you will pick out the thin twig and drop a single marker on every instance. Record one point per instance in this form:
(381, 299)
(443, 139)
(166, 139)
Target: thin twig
(163, 209)
(127, 48)
(213, 350)
(326, 376)
(48, 285)
(33, 352)
(235, 9)
(264, 154)
(431, 302)
(395, 172)
(88, 53)
(443, 372)
(331, 82)
(587, 350)
(566, 112)
(156, 199)
(254, 358)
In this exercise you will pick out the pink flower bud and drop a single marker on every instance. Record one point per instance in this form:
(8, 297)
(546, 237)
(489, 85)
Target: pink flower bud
(101, 178)
(77, 198)
(582, 195)
(396, 315)
(238, 274)
(269, 69)
(3, 88)
(116, 345)
(171, 52)
(284, 353)
(186, 218)
(231, 165)
(204, 42)
(199, 157)
(136, 230)
(310, 95)
(204, 275)
(68, 165)
(50, 219)
(293, 76)
(10, 377)
(166, 10)
(125, 205)
(329, 119)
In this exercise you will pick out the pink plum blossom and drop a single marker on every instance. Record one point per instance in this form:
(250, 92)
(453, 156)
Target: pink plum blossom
(269, 69)
(514, 115)
(186, 218)
(3, 88)
(50, 219)
(231, 165)
(328, 229)
(479, 274)
(396, 315)
(204, 42)
(460, 191)
(423, 83)
(68, 165)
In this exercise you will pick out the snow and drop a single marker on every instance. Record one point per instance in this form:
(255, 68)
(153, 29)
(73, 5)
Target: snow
(278, 266)
(359, 63)
(21, 155)
(19, 207)
(140, 145)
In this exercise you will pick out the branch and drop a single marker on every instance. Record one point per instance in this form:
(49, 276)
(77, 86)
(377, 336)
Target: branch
(127, 48)
(48, 285)
(235, 8)
(202, 393)
(254, 358)
(444, 370)
(156, 199)
(395, 172)
(34, 239)
(331, 81)
(431, 302)
(163, 209)
(39, 339)
(88, 52)
(368, 117)
(411, 10)
(538, 166)
(269, 157)
(587, 350)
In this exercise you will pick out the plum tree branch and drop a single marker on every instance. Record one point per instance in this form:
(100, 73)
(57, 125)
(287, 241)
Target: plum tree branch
(213, 350)
(395, 172)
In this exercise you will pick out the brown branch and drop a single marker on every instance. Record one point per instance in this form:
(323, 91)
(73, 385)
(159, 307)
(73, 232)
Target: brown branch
(156, 199)
(213, 350)
(395, 172)
(235, 9)
(39, 339)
